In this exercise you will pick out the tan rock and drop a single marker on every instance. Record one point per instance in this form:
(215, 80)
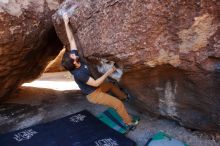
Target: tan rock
(55, 65)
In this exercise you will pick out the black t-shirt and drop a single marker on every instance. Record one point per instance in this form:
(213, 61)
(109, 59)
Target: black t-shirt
(81, 76)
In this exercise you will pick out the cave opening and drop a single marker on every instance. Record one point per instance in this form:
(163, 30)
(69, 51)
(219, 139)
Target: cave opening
(54, 77)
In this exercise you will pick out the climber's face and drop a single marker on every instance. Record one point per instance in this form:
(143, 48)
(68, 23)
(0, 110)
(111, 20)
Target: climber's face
(76, 60)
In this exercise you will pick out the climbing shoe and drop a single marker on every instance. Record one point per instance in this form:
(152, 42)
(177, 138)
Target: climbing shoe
(135, 122)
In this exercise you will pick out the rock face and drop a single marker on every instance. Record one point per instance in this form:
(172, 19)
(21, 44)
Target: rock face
(169, 51)
(27, 40)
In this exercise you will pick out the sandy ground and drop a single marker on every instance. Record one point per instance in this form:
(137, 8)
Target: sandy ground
(55, 95)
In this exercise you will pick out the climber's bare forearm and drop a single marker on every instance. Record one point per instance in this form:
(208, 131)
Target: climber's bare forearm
(100, 80)
(70, 36)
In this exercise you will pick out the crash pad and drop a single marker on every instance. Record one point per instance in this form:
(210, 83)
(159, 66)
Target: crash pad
(79, 129)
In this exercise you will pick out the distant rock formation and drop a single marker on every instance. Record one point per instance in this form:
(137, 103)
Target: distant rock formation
(169, 51)
(55, 65)
(27, 41)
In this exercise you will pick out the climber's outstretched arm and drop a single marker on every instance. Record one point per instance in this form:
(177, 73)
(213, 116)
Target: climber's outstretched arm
(69, 32)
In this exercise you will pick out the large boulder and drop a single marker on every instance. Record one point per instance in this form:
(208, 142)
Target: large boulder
(169, 51)
(28, 40)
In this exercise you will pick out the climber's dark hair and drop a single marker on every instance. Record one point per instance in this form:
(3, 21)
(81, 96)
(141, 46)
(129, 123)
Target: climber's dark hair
(67, 61)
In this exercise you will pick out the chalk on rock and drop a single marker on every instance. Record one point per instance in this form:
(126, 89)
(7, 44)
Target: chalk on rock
(69, 10)
(106, 65)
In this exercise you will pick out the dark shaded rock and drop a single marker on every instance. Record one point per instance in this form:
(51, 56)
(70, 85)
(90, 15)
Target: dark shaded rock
(169, 51)
(28, 41)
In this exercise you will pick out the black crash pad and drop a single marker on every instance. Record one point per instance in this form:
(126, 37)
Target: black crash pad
(80, 129)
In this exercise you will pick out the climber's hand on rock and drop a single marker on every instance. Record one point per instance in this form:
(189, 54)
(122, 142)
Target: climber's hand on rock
(111, 70)
(65, 18)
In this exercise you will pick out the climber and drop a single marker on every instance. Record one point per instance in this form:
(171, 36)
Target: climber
(94, 89)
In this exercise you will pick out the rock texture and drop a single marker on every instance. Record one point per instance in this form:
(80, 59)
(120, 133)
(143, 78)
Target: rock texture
(27, 41)
(169, 51)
